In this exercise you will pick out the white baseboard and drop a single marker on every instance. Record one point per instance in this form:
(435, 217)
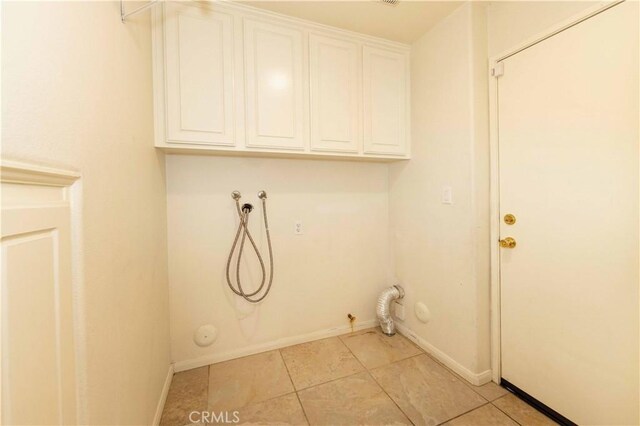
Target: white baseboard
(268, 346)
(163, 396)
(475, 379)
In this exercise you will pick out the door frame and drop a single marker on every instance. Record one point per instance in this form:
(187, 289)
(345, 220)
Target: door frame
(494, 173)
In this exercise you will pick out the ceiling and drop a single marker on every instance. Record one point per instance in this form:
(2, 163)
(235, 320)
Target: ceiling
(404, 22)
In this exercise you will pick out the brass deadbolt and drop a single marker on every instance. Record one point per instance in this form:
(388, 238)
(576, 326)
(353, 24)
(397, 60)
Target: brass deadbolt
(508, 243)
(509, 219)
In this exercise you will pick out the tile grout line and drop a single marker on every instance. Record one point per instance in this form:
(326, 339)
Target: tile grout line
(342, 338)
(448, 371)
(321, 383)
(410, 341)
(294, 387)
(262, 400)
(266, 400)
(304, 412)
(423, 352)
(456, 375)
(472, 387)
(330, 381)
(337, 378)
(286, 367)
(397, 361)
(389, 396)
(466, 412)
(469, 385)
(466, 383)
(528, 405)
(379, 385)
(502, 411)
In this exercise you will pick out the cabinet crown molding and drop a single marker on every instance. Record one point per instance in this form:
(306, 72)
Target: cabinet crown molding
(34, 174)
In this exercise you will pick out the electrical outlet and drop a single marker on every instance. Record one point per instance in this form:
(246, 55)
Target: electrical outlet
(298, 228)
(447, 195)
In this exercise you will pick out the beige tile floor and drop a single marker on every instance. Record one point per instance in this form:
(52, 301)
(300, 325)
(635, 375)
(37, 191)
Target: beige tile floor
(361, 378)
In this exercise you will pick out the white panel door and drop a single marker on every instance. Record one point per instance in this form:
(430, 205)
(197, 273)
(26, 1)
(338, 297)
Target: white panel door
(38, 355)
(199, 75)
(275, 87)
(384, 78)
(334, 81)
(568, 138)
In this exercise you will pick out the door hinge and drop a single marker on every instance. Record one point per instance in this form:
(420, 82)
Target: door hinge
(498, 70)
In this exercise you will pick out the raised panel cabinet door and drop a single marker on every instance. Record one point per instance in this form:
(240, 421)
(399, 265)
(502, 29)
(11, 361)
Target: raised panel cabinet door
(199, 75)
(274, 83)
(37, 301)
(334, 81)
(384, 77)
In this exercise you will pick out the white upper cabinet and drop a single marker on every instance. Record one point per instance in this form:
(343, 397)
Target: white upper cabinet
(199, 75)
(274, 86)
(233, 79)
(335, 88)
(385, 101)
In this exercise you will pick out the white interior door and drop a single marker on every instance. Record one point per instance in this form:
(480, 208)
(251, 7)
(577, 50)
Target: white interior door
(568, 143)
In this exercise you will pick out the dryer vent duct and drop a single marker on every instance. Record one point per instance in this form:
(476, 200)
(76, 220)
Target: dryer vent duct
(383, 309)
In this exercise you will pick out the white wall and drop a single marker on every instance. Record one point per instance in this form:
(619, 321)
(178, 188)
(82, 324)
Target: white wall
(511, 23)
(441, 251)
(338, 266)
(76, 93)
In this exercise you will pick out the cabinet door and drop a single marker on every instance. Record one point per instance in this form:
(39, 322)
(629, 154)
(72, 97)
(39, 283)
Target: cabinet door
(334, 80)
(385, 101)
(274, 83)
(199, 76)
(38, 348)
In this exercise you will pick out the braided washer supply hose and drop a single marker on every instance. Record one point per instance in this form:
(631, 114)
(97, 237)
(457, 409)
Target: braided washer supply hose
(243, 228)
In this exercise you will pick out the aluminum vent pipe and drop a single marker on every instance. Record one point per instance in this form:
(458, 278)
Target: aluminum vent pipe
(387, 296)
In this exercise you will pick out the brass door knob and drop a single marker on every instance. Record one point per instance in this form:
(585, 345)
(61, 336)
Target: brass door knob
(508, 243)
